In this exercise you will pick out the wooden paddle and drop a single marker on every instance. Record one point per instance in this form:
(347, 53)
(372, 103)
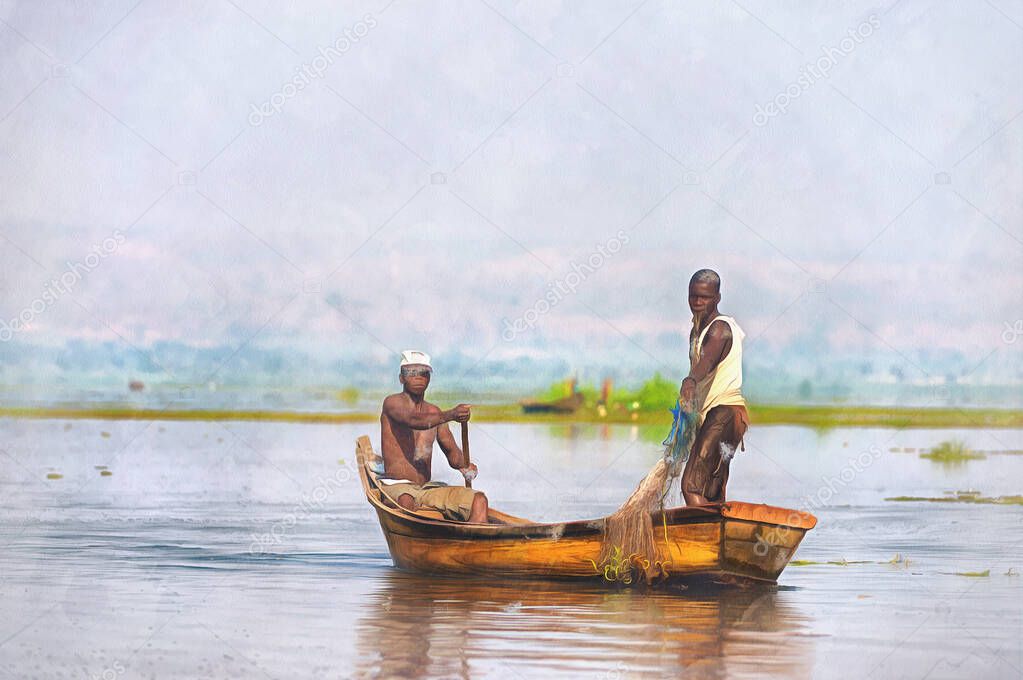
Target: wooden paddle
(465, 451)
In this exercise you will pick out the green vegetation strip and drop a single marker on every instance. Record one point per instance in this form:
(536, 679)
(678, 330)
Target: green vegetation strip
(897, 560)
(963, 498)
(839, 563)
(856, 416)
(125, 413)
(822, 417)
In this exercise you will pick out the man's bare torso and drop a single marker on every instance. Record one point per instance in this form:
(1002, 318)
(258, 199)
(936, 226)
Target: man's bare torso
(408, 453)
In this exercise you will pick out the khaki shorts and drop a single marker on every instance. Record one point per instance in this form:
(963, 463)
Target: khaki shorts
(455, 502)
(706, 473)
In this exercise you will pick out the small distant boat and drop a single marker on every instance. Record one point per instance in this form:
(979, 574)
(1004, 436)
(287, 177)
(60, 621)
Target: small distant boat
(569, 404)
(732, 543)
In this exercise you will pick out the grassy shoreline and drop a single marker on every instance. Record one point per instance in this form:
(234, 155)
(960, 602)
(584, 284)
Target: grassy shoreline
(821, 417)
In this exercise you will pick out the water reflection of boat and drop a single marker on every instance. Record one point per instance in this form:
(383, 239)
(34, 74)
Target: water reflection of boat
(730, 542)
(417, 627)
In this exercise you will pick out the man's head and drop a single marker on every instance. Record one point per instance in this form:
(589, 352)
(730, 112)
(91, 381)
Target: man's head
(704, 293)
(415, 372)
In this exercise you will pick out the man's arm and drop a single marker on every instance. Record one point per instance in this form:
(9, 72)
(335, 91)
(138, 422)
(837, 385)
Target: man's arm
(715, 347)
(456, 459)
(421, 416)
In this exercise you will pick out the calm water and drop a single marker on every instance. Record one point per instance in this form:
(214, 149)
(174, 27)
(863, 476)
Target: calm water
(246, 550)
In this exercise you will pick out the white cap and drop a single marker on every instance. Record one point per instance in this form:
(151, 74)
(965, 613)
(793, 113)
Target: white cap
(412, 356)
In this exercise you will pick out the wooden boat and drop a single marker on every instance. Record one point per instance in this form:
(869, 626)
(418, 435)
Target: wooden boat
(730, 543)
(569, 404)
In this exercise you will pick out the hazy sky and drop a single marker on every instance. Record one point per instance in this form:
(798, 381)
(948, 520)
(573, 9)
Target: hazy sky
(446, 165)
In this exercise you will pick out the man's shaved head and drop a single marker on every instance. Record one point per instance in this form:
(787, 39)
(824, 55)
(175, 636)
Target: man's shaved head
(708, 276)
(704, 295)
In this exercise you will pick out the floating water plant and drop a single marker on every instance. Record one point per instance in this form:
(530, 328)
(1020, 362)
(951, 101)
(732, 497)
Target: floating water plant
(899, 559)
(952, 451)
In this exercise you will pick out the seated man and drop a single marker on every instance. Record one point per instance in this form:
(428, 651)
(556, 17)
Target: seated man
(409, 426)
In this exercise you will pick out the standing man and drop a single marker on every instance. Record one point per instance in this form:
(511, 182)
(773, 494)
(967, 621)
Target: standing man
(409, 427)
(713, 387)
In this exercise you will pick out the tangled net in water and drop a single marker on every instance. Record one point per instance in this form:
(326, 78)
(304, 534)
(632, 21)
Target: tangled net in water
(628, 544)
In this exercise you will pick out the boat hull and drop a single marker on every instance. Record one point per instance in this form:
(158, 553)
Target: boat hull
(733, 542)
(743, 549)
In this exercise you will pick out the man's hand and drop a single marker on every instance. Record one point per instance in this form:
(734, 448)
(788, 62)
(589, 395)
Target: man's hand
(470, 472)
(687, 394)
(459, 413)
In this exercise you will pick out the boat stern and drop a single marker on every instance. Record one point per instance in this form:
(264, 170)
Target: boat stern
(758, 541)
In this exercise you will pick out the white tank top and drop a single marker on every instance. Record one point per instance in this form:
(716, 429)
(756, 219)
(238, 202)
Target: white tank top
(723, 385)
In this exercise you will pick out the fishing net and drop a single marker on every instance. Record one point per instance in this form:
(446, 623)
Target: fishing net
(629, 544)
